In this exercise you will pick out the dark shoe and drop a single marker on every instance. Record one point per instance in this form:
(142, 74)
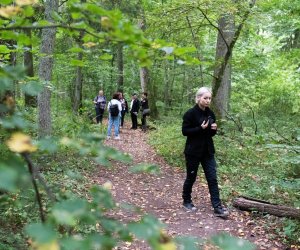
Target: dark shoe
(221, 212)
(189, 206)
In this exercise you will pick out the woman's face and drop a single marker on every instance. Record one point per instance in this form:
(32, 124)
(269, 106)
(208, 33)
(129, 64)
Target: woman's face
(204, 100)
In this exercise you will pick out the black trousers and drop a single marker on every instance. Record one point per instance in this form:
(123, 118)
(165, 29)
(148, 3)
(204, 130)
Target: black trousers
(209, 166)
(134, 121)
(144, 122)
(123, 112)
(99, 114)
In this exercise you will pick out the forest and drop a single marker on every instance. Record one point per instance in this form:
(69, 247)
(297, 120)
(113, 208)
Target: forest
(64, 185)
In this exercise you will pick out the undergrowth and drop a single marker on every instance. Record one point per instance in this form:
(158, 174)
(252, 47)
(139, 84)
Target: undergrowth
(259, 165)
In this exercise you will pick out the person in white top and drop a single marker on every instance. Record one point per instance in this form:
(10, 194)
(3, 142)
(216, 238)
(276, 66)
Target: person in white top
(114, 109)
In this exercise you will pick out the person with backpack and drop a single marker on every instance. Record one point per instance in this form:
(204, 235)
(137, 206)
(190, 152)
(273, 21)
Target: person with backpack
(100, 104)
(199, 126)
(114, 109)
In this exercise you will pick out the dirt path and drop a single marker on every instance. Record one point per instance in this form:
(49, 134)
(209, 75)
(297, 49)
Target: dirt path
(161, 195)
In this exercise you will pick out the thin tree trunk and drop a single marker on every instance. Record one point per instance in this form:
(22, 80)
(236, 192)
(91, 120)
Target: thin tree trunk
(166, 82)
(30, 101)
(45, 71)
(198, 47)
(120, 64)
(77, 86)
(77, 99)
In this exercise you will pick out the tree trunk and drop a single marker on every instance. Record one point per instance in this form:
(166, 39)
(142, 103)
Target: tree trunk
(7, 97)
(145, 78)
(250, 204)
(166, 83)
(45, 71)
(120, 64)
(77, 91)
(77, 85)
(221, 92)
(146, 84)
(197, 45)
(30, 101)
(222, 88)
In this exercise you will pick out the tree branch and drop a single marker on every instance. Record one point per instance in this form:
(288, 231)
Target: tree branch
(227, 56)
(216, 27)
(37, 193)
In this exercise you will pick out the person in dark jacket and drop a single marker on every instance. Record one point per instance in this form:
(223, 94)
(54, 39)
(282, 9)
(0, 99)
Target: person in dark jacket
(145, 110)
(134, 110)
(199, 125)
(124, 108)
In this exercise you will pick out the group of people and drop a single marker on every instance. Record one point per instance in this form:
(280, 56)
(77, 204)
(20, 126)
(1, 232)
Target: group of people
(199, 126)
(117, 107)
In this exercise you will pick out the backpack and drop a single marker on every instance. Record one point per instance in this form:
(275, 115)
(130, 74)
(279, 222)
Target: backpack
(114, 110)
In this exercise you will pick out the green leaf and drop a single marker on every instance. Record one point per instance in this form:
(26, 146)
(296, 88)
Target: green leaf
(146, 167)
(146, 229)
(227, 242)
(77, 15)
(6, 2)
(105, 57)
(8, 178)
(102, 197)
(188, 243)
(41, 233)
(28, 11)
(4, 49)
(94, 9)
(15, 121)
(48, 144)
(75, 50)
(78, 63)
(68, 212)
(32, 88)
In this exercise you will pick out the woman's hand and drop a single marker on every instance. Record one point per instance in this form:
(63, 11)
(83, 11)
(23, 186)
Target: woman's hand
(204, 124)
(214, 126)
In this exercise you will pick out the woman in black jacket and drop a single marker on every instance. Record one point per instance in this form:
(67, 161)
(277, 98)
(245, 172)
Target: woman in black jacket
(199, 126)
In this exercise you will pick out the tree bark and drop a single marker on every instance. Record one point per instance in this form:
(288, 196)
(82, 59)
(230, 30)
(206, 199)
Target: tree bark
(145, 78)
(120, 64)
(77, 86)
(77, 98)
(222, 88)
(45, 71)
(250, 204)
(146, 84)
(30, 101)
(221, 67)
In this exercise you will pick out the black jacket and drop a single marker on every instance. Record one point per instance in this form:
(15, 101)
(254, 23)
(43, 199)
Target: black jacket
(199, 141)
(135, 106)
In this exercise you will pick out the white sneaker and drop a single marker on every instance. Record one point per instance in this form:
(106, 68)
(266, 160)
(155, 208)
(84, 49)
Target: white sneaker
(117, 137)
(107, 137)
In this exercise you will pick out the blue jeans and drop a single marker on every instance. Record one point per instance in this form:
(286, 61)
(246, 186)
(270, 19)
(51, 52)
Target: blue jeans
(209, 166)
(113, 121)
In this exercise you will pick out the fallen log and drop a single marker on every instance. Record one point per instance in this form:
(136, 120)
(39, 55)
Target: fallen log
(250, 204)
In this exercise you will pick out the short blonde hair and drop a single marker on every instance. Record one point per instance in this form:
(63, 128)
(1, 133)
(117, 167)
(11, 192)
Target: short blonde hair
(200, 93)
